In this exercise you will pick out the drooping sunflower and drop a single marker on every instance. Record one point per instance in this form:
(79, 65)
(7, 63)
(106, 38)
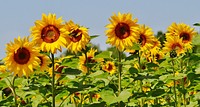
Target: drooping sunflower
(48, 33)
(174, 43)
(44, 62)
(122, 31)
(109, 67)
(21, 56)
(181, 30)
(77, 37)
(146, 37)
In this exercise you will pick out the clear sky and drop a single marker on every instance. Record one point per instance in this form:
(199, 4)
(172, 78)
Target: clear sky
(17, 16)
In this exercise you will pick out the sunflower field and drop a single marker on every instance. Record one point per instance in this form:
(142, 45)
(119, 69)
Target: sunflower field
(140, 69)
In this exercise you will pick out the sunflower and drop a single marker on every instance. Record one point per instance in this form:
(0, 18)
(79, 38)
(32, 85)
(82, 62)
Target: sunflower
(44, 62)
(155, 48)
(48, 33)
(109, 67)
(77, 37)
(2, 68)
(181, 30)
(122, 31)
(90, 59)
(174, 43)
(21, 56)
(58, 70)
(146, 37)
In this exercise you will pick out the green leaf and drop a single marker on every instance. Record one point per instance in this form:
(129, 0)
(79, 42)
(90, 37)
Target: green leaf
(93, 36)
(72, 63)
(123, 96)
(196, 24)
(195, 40)
(108, 96)
(71, 71)
(104, 54)
(97, 73)
(135, 46)
(133, 70)
(158, 92)
(150, 65)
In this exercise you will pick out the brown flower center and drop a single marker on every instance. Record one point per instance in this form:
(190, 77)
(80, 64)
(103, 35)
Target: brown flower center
(142, 39)
(50, 34)
(22, 56)
(110, 67)
(41, 60)
(158, 56)
(76, 35)
(90, 60)
(185, 36)
(176, 45)
(122, 30)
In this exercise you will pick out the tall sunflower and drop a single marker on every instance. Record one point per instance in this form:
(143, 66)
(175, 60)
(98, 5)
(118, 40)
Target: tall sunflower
(122, 31)
(174, 43)
(21, 56)
(77, 37)
(109, 67)
(48, 33)
(181, 30)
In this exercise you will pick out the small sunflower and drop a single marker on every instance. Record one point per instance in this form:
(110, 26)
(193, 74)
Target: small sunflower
(109, 67)
(21, 57)
(77, 38)
(156, 45)
(174, 43)
(44, 62)
(90, 59)
(122, 31)
(181, 30)
(146, 37)
(58, 70)
(2, 68)
(48, 33)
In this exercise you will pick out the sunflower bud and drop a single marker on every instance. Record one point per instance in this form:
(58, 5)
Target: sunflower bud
(173, 54)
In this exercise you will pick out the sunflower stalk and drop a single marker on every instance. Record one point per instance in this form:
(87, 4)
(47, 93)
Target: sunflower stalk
(140, 81)
(53, 80)
(175, 96)
(12, 87)
(119, 73)
(183, 85)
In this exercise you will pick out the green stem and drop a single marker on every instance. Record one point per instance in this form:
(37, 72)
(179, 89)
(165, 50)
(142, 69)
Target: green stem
(12, 87)
(119, 73)
(86, 63)
(183, 85)
(53, 80)
(140, 81)
(174, 84)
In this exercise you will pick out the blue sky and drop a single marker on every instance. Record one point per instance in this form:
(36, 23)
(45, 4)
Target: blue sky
(17, 16)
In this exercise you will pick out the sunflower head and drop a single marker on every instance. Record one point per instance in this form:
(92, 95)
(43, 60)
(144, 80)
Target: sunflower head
(44, 62)
(90, 59)
(146, 37)
(109, 67)
(122, 31)
(2, 68)
(21, 56)
(48, 33)
(182, 31)
(77, 37)
(174, 44)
